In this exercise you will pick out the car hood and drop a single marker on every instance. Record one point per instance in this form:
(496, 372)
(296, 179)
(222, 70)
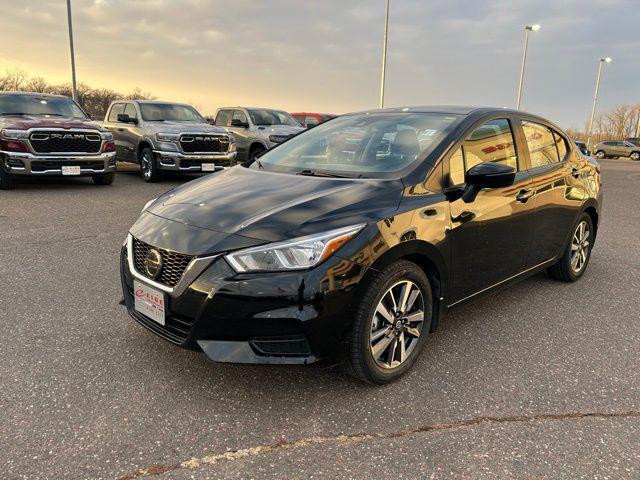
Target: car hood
(25, 122)
(241, 207)
(180, 127)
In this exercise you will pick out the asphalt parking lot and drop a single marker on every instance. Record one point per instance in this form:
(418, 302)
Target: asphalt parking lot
(539, 381)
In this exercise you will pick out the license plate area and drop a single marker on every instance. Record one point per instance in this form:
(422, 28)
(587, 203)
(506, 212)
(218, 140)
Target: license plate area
(70, 170)
(208, 167)
(149, 301)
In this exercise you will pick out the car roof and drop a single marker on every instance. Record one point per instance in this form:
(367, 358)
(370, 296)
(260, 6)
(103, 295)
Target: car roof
(162, 102)
(35, 94)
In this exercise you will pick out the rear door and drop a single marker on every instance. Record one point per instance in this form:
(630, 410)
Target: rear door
(556, 169)
(242, 134)
(114, 127)
(130, 133)
(490, 237)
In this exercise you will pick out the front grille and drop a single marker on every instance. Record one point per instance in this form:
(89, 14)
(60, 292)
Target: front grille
(173, 264)
(204, 143)
(65, 142)
(42, 165)
(286, 346)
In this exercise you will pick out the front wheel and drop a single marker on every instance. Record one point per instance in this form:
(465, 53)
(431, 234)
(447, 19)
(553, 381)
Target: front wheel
(391, 324)
(148, 166)
(574, 261)
(635, 156)
(600, 154)
(104, 179)
(7, 181)
(255, 151)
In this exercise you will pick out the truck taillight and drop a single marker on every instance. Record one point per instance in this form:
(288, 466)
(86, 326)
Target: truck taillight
(13, 145)
(109, 147)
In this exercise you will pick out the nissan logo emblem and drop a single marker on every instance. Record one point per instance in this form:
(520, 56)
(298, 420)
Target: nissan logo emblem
(153, 264)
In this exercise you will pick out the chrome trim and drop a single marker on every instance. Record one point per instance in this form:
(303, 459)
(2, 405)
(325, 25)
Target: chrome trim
(26, 158)
(550, 261)
(28, 132)
(201, 134)
(193, 271)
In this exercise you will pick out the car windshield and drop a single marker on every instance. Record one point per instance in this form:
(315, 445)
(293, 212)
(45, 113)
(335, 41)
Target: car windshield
(160, 112)
(264, 117)
(362, 145)
(17, 104)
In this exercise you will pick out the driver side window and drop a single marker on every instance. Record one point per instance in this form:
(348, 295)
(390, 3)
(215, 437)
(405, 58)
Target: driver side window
(490, 142)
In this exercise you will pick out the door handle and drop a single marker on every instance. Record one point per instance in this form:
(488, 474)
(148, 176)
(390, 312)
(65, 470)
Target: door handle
(524, 195)
(575, 173)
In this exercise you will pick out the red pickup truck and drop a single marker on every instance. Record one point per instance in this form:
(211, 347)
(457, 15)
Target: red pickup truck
(309, 120)
(50, 135)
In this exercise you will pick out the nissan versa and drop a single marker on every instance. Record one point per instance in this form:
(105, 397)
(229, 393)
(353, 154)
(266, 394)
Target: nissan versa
(351, 240)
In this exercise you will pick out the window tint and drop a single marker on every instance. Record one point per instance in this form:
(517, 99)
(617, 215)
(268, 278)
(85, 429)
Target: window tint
(130, 110)
(490, 142)
(116, 110)
(299, 118)
(239, 115)
(542, 145)
(561, 143)
(310, 121)
(223, 119)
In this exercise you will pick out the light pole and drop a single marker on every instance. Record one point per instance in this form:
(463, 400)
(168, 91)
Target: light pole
(73, 59)
(527, 29)
(384, 55)
(595, 98)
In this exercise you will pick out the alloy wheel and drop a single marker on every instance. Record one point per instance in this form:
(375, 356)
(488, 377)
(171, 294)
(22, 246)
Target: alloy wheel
(146, 165)
(580, 247)
(397, 324)
(600, 155)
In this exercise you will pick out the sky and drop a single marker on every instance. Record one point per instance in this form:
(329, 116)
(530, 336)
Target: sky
(325, 55)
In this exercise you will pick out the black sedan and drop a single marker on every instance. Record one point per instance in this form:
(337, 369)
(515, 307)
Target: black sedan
(351, 240)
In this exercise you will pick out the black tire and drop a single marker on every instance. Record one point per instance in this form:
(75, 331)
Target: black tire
(635, 156)
(148, 166)
(7, 181)
(104, 179)
(600, 155)
(360, 361)
(254, 151)
(564, 270)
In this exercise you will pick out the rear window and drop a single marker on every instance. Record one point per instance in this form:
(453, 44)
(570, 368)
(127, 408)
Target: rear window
(541, 143)
(223, 119)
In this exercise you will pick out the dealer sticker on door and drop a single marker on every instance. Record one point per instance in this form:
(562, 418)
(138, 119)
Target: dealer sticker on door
(149, 301)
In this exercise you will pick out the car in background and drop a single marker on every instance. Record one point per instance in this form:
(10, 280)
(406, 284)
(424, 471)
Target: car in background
(309, 120)
(634, 140)
(167, 137)
(44, 135)
(257, 129)
(316, 251)
(582, 146)
(615, 149)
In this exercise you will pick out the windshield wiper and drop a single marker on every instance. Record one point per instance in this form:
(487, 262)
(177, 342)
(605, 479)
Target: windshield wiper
(318, 173)
(8, 114)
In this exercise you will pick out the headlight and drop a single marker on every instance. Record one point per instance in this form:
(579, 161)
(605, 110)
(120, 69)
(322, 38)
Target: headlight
(167, 137)
(278, 138)
(232, 148)
(298, 254)
(108, 136)
(14, 134)
(146, 205)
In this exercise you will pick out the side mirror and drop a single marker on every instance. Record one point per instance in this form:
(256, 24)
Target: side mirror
(125, 118)
(487, 175)
(239, 123)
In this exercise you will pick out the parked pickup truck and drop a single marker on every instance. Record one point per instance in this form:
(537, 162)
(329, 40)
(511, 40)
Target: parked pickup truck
(50, 135)
(257, 129)
(164, 136)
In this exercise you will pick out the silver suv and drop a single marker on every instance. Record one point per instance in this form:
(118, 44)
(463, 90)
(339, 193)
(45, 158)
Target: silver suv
(256, 129)
(164, 136)
(617, 148)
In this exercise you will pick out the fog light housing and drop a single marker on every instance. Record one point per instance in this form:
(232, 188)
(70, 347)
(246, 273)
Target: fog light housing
(169, 162)
(14, 163)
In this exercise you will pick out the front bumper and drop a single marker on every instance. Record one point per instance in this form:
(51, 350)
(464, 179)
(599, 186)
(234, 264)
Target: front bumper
(284, 318)
(20, 163)
(192, 162)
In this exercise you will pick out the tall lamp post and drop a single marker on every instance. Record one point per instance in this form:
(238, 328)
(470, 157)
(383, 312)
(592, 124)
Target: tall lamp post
(384, 54)
(595, 98)
(527, 29)
(73, 57)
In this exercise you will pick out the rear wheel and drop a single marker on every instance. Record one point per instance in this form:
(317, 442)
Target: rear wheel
(600, 154)
(574, 261)
(104, 179)
(148, 166)
(7, 181)
(635, 156)
(391, 324)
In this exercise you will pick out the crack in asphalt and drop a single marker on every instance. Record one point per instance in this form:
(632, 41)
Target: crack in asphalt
(232, 455)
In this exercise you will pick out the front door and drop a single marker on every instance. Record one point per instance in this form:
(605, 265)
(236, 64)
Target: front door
(491, 236)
